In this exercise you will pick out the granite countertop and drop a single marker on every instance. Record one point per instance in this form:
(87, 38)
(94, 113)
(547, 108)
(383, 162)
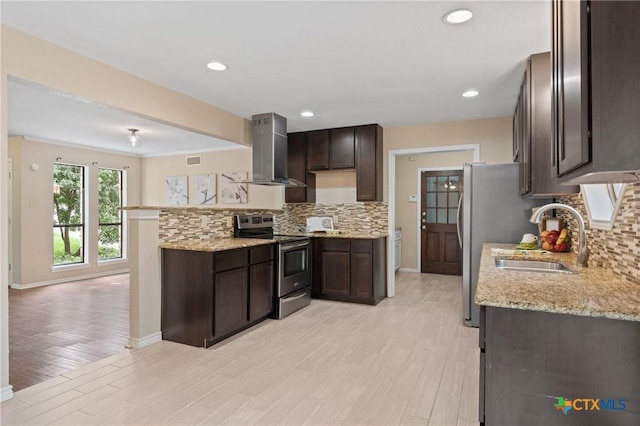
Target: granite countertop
(218, 244)
(591, 291)
(349, 234)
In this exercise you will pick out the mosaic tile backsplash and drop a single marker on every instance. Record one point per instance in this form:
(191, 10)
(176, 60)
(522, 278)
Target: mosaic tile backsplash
(197, 224)
(354, 217)
(617, 250)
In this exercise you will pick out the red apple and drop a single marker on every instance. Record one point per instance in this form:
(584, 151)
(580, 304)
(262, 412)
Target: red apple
(552, 237)
(561, 247)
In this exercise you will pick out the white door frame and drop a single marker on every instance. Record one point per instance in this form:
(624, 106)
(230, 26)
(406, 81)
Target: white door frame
(391, 195)
(10, 233)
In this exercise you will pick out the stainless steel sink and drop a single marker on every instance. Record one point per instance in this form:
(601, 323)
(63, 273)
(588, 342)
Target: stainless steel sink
(532, 266)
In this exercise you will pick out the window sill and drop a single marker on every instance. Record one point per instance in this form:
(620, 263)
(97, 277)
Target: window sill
(117, 261)
(71, 267)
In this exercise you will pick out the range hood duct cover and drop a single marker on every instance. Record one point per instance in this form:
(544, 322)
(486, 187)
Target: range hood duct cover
(270, 151)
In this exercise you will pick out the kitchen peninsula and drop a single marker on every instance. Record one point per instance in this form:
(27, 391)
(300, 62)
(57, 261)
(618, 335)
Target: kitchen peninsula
(551, 340)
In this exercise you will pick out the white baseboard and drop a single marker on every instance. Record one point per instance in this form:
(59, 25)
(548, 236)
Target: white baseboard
(141, 342)
(6, 393)
(408, 270)
(68, 279)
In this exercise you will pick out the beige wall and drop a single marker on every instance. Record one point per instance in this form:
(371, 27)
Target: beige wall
(407, 171)
(43, 63)
(336, 187)
(494, 137)
(155, 170)
(33, 207)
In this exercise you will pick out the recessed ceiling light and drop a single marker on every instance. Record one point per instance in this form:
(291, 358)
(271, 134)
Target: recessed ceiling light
(470, 93)
(457, 16)
(307, 114)
(216, 66)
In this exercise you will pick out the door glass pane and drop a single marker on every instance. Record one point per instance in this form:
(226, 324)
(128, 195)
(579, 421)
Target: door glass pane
(442, 199)
(453, 215)
(442, 183)
(442, 216)
(453, 182)
(453, 199)
(431, 183)
(431, 215)
(431, 199)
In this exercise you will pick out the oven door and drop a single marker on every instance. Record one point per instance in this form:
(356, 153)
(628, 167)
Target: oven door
(294, 272)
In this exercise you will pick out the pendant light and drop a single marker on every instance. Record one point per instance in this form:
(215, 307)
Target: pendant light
(133, 137)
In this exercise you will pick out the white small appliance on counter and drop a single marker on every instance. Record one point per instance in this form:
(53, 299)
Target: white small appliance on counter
(319, 223)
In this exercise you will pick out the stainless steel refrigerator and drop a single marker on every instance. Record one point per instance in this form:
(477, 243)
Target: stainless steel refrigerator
(492, 211)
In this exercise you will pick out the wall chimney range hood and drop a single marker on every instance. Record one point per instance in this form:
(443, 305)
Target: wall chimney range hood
(270, 151)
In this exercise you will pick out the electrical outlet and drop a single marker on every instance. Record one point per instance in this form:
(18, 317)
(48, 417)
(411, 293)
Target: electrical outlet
(229, 221)
(203, 221)
(335, 220)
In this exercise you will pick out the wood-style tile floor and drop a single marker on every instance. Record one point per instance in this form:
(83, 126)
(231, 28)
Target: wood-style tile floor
(58, 328)
(408, 360)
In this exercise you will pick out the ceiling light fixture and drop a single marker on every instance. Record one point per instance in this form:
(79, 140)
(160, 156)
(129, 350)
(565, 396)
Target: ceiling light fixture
(307, 114)
(217, 66)
(133, 137)
(470, 93)
(457, 16)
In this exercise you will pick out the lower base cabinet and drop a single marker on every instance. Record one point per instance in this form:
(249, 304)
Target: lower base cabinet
(207, 297)
(350, 270)
(557, 369)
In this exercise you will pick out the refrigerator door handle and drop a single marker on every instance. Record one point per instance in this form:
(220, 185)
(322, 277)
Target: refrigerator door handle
(458, 221)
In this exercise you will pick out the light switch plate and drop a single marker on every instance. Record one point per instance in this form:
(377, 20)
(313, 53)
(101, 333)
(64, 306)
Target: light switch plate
(413, 198)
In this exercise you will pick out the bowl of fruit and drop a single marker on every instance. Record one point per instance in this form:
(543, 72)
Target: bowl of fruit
(555, 240)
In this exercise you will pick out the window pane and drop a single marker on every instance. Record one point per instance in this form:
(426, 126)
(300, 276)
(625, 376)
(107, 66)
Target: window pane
(109, 214)
(453, 182)
(442, 183)
(431, 215)
(431, 183)
(442, 215)
(453, 215)
(453, 199)
(109, 242)
(68, 217)
(431, 199)
(442, 199)
(67, 245)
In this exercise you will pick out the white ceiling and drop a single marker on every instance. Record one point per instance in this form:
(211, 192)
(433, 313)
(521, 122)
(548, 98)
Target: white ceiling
(392, 63)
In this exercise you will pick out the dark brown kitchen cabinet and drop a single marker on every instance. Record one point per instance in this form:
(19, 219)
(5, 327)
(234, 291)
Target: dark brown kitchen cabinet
(533, 132)
(230, 301)
(318, 150)
(297, 169)
(538, 357)
(207, 297)
(595, 90)
(261, 291)
(331, 149)
(369, 163)
(350, 270)
(342, 143)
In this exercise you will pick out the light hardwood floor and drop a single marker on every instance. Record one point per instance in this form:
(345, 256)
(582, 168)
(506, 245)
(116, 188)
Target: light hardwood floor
(409, 360)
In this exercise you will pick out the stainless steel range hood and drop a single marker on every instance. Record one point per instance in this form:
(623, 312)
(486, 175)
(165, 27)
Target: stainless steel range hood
(270, 151)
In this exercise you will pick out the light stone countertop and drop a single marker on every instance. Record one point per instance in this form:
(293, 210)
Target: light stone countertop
(218, 244)
(349, 234)
(591, 291)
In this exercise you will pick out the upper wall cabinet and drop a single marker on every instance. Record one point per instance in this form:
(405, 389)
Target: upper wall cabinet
(369, 163)
(595, 90)
(532, 132)
(358, 147)
(331, 149)
(297, 169)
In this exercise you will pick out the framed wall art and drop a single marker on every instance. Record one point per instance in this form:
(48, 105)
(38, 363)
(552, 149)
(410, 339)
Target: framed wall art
(231, 191)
